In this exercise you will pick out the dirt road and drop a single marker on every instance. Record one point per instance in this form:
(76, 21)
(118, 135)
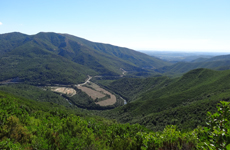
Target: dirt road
(87, 81)
(95, 91)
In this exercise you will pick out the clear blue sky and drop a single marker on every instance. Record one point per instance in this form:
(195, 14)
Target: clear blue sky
(182, 25)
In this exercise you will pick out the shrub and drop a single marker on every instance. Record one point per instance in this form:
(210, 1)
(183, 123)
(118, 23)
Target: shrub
(216, 134)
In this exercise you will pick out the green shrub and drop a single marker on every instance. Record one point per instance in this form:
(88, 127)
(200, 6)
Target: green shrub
(169, 139)
(216, 135)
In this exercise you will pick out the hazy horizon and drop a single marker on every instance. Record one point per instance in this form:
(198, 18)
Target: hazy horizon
(177, 51)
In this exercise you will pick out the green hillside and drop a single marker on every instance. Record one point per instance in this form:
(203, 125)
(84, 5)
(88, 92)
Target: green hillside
(131, 88)
(102, 57)
(183, 67)
(34, 65)
(27, 124)
(137, 58)
(200, 87)
(35, 93)
(49, 57)
(10, 41)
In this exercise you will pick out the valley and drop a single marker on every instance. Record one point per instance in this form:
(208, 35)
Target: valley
(116, 86)
(98, 94)
(115, 75)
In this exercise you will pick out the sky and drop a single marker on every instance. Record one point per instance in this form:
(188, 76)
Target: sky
(164, 25)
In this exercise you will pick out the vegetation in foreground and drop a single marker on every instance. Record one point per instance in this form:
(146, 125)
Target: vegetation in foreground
(27, 124)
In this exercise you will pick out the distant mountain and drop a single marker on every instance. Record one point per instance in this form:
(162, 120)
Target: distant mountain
(217, 63)
(137, 58)
(219, 58)
(174, 56)
(104, 56)
(201, 59)
(216, 58)
(63, 58)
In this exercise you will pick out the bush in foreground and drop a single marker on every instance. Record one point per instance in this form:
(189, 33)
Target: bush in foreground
(28, 124)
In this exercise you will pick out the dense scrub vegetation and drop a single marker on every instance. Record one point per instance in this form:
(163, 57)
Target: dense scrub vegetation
(131, 88)
(180, 101)
(27, 124)
(34, 93)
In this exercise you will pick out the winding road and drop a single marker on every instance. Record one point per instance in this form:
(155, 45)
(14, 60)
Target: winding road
(87, 81)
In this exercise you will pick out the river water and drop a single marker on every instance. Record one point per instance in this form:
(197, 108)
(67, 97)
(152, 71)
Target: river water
(125, 102)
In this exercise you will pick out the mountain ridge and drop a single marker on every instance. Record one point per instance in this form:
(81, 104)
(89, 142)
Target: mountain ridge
(97, 58)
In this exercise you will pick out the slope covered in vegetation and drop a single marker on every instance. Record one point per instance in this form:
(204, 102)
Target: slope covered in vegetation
(181, 101)
(34, 93)
(27, 124)
(131, 88)
(64, 59)
(32, 64)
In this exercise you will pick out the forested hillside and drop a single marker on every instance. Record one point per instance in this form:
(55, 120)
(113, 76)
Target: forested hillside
(35, 93)
(27, 124)
(182, 101)
(32, 64)
(131, 88)
(60, 58)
